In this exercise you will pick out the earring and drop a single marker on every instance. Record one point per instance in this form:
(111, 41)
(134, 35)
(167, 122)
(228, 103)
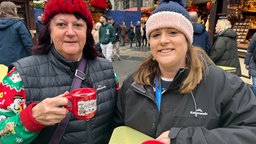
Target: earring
(153, 59)
(50, 41)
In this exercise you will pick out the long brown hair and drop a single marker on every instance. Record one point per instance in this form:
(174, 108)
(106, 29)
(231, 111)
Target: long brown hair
(196, 60)
(8, 9)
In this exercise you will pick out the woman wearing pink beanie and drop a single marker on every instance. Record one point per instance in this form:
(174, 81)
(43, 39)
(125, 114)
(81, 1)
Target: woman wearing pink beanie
(33, 94)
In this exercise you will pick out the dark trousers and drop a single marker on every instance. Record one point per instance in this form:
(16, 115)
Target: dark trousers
(131, 40)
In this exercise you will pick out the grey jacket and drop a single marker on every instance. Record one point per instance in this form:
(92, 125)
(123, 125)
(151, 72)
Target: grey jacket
(50, 75)
(224, 51)
(221, 106)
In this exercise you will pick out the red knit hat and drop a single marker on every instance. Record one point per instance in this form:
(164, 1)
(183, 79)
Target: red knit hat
(54, 7)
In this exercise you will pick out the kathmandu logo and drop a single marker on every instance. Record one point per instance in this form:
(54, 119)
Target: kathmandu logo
(101, 87)
(198, 112)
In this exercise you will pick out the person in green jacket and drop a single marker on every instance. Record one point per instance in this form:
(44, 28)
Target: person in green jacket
(107, 37)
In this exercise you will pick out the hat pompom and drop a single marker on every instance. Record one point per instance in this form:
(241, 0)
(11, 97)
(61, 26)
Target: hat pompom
(181, 2)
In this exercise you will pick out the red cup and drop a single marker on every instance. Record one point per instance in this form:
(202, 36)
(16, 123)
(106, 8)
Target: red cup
(83, 102)
(153, 141)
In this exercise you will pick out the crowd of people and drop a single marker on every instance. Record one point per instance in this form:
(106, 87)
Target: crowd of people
(178, 94)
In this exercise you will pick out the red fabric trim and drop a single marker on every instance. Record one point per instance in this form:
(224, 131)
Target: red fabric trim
(29, 121)
(99, 3)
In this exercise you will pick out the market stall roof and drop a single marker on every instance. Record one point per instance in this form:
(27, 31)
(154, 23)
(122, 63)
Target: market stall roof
(147, 10)
(136, 8)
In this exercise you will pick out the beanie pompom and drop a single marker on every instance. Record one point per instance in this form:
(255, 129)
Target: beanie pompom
(181, 2)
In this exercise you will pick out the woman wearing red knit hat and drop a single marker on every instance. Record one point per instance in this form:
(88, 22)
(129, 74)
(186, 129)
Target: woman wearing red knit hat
(178, 96)
(32, 94)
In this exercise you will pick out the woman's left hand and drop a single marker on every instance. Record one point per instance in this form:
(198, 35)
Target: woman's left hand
(164, 137)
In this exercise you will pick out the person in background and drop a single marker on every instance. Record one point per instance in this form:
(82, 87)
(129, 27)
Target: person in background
(39, 24)
(15, 38)
(107, 37)
(144, 38)
(131, 34)
(95, 32)
(32, 93)
(99, 50)
(123, 33)
(138, 34)
(224, 50)
(177, 95)
(116, 43)
(143, 35)
(250, 63)
(201, 37)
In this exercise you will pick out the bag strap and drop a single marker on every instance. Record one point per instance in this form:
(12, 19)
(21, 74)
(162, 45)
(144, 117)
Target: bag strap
(77, 81)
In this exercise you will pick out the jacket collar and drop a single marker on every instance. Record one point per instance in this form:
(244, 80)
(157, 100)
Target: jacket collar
(54, 54)
(177, 81)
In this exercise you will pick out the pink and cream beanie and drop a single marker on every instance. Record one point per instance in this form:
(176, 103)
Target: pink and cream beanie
(171, 13)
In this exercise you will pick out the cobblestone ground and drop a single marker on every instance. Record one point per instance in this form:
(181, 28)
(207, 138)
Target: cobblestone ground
(130, 60)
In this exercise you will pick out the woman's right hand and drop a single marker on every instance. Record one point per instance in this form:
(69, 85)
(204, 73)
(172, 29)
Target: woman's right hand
(51, 111)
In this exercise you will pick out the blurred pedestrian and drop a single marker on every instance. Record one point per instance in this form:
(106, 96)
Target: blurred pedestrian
(123, 33)
(144, 37)
(107, 37)
(39, 24)
(95, 32)
(201, 37)
(138, 34)
(177, 95)
(116, 42)
(249, 61)
(15, 38)
(33, 93)
(99, 50)
(131, 34)
(224, 51)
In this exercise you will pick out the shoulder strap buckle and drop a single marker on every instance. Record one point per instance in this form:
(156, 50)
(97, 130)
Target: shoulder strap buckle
(79, 74)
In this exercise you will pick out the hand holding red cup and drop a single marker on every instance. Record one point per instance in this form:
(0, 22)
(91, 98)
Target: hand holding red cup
(83, 102)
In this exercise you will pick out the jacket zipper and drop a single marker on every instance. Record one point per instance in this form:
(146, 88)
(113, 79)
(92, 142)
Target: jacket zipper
(144, 93)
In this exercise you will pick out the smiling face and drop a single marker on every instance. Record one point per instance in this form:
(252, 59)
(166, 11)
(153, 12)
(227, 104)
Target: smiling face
(68, 35)
(169, 48)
